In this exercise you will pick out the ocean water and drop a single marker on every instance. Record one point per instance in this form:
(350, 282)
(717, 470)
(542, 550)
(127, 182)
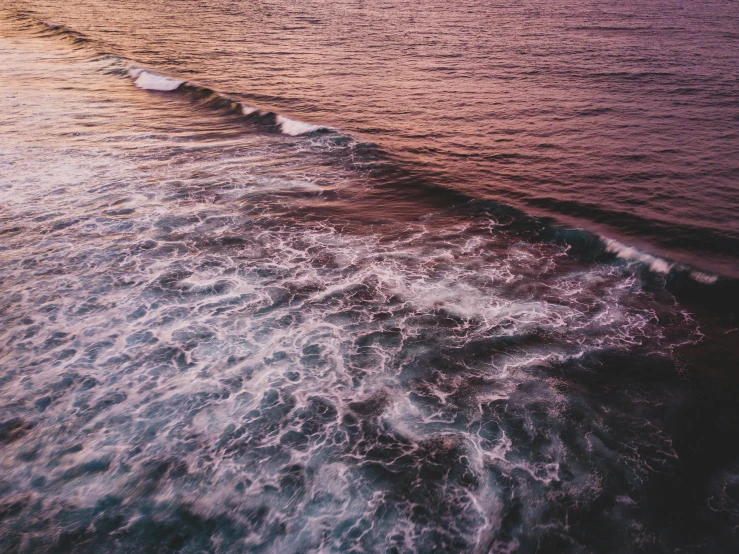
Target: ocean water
(369, 276)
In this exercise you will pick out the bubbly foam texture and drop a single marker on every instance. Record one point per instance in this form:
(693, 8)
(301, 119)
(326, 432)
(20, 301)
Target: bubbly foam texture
(181, 340)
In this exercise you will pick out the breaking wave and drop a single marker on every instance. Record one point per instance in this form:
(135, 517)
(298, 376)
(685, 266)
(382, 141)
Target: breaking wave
(148, 80)
(625, 252)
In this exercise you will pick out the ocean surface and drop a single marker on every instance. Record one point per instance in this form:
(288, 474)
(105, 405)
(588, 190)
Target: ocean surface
(369, 276)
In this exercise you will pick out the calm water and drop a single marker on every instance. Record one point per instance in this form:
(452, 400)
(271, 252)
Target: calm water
(369, 276)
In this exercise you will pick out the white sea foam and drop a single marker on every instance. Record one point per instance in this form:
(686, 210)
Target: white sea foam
(287, 126)
(704, 278)
(656, 264)
(296, 128)
(633, 254)
(151, 81)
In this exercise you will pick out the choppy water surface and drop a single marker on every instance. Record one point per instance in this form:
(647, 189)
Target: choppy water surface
(225, 330)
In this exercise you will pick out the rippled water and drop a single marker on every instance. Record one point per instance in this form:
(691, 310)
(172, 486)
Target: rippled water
(226, 329)
(619, 117)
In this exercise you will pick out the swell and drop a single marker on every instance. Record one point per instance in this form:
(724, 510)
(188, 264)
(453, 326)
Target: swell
(27, 21)
(670, 235)
(691, 284)
(691, 281)
(225, 103)
(390, 174)
(152, 81)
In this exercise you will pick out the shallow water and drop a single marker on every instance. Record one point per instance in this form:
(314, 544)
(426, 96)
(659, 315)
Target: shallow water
(225, 330)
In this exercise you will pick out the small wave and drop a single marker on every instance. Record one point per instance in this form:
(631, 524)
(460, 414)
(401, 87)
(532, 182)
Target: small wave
(296, 128)
(47, 28)
(625, 252)
(704, 278)
(152, 81)
(287, 126)
(55, 29)
(656, 264)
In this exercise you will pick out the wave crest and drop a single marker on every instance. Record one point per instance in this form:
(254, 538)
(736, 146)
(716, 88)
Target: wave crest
(148, 80)
(630, 253)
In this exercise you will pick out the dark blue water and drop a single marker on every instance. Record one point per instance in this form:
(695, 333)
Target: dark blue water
(368, 277)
